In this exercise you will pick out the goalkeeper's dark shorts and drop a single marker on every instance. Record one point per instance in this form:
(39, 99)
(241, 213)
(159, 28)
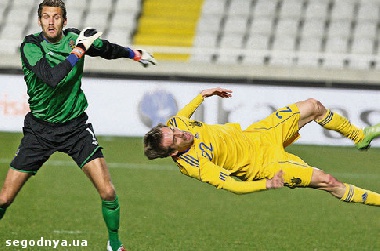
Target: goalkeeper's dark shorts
(42, 139)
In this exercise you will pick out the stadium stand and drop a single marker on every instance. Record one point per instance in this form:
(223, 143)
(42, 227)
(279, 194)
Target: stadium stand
(324, 34)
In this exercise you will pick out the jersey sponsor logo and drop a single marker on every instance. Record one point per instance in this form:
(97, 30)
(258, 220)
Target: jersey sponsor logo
(223, 176)
(195, 123)
(294, 182)
(207, 151)
(286, 109)
(72, 44)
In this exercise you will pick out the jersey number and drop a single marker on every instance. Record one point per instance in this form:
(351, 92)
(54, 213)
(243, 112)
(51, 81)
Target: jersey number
(281, 111)
(206, 150)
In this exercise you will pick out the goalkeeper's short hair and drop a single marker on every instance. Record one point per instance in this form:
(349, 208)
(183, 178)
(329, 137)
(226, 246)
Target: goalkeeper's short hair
(52, 3)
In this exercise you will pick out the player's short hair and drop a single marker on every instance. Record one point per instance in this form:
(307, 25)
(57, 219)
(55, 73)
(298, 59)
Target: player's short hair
(152, 144)
(52, 3)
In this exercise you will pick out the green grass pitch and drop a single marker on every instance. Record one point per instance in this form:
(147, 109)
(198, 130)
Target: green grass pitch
(162, 209)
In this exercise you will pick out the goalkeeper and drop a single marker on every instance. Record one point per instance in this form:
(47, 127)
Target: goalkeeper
(255, 156)
(52, 62)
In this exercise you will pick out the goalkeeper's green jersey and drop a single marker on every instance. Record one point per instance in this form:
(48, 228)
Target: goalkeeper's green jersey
(53, 82)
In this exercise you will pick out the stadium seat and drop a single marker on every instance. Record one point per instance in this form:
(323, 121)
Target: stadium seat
(13, 16)
(24, 4)
(235, 24)
(336, 48)
(310, 44)
(261, 25)
(284, 43)
(291, 9)
(362, 49)
(283, 50)
(365, 28)
(205, 40)
(103, 5)
(309, 51)
(308, 59)
(336, 45)
(240, 8)
(227, 46)
(131, 6)
(97, 19)
(368, 10)
(343, 9)
(255, 58)
(313, 27)
(120, 37)
(9, 47)
(75, 18)
(13, 32)
(76, 5)
(204, 46)
(339, 28)
(317, 9)
(121, 21)
(265, 8)
(33, 27)
(258, 42)
(361, 63)
(217, 7)
(287, 26)
(362, 45)
(209, 23)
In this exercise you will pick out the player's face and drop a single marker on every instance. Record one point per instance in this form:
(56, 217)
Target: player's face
(52, 23)
(177, 139)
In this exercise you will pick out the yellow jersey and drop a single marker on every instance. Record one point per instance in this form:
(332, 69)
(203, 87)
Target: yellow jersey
(218, 152)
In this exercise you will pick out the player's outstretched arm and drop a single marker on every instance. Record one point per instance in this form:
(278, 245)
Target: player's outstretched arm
(221, 92)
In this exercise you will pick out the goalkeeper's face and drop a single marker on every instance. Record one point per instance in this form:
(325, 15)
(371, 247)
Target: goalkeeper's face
(176, 139)
(52, 23)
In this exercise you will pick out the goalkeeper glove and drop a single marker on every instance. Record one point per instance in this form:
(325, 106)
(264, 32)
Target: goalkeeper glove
(84, 41)
(144, 57)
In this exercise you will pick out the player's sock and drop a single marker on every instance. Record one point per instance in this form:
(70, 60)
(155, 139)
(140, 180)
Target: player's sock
(336, 122)
(2, 212)
(111, 215)
(359, 195)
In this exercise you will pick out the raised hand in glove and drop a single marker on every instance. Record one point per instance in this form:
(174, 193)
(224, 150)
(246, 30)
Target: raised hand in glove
(144, 57)
(84, 41)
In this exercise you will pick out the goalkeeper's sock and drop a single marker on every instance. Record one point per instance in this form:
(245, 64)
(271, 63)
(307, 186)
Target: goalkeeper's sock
(359, 195)
(2, 212)
(111, 215)
(336, 122)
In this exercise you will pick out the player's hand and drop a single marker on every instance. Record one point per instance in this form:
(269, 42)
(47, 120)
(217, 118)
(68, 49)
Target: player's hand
(144, 57)
(87, 37)
(277, 181)
(221, 92)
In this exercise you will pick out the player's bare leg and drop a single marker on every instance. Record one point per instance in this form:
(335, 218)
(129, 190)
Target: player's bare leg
(12, 185)
(345, 192)
(97, 171)
(311, 109)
